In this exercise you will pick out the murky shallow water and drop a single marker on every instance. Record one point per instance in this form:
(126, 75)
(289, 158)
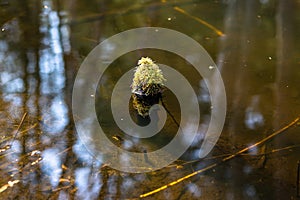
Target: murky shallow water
(43, 43)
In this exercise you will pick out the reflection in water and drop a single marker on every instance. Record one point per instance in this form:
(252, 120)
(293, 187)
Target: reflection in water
(203, 96)
(51, 165)
(15, 152)
(82, 154)
(195, 190)
(45, 94)
(11, 74)
(88, 185)
(250, 191)
(52, 71)
(12, 84)
(50, 162)
(55, 117)
(15, 104)
(54, 110)
(254, 118)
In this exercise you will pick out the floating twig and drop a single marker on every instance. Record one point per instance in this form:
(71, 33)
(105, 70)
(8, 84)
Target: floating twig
(9, 184)
(217, 31)
(276, 150)
(222, 161)
(19, 127)
(20, 133)
(64, 151)
(228, 154)
(127, 10)
(62, 188)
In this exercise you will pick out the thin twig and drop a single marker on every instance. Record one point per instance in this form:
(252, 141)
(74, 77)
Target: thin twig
(275, 150)
(217, 31)
(62, 188)
(20, 133)
(228, 154)
(222, 161)
(9, 184)
(65, 150)
(127, 10)
(19, 127)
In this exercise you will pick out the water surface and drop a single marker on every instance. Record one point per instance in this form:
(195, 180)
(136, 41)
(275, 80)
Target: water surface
(43, 43)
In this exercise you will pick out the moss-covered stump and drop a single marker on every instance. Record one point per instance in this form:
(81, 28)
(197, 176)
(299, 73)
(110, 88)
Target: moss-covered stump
(147, 85)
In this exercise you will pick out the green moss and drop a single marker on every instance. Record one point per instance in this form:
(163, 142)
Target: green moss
(141, 106)
(147, 86)
(148, 78)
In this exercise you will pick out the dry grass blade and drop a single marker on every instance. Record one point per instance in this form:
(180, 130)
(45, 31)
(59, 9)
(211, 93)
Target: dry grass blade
(217, 31)
(128, 10)
(19, 127)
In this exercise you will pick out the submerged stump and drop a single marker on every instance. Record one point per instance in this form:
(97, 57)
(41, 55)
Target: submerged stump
(147, 86)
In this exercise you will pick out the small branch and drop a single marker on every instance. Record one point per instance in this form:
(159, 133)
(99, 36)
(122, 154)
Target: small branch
(128, 10)
(62, 188)
(263, 140)
(20, 133)
(65, 150)
(217, 31)
(276, 150)
(9, 184)
(244, 154)
(19, 127)
(222, 161)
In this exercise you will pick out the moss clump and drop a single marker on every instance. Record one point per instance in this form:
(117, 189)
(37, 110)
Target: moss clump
(148, 78)
(147, 86)
(143, 103)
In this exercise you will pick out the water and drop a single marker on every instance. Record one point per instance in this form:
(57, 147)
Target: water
(43, 43)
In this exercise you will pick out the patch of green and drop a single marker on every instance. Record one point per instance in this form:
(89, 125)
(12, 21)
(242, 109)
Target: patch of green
(148, 78)
(141, 106)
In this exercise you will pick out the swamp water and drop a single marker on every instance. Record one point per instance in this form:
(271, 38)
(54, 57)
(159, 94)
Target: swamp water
(255, 45)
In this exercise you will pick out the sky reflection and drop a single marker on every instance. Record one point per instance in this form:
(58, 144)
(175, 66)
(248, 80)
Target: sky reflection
(41, 96)
(51, 165)
(88, 184)
(254, 118)
(52, 72)
(56, 117)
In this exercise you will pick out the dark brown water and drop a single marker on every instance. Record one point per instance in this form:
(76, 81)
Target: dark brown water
(42, 45)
